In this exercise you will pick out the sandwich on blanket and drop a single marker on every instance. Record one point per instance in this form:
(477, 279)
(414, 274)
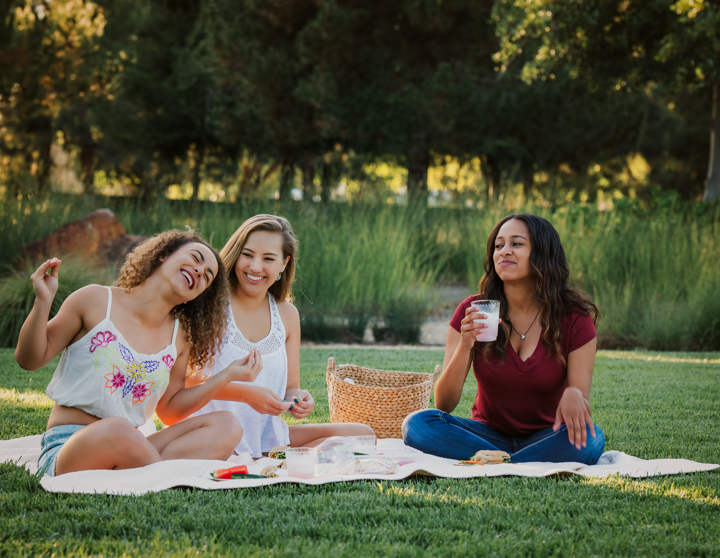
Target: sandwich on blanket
(488, 457)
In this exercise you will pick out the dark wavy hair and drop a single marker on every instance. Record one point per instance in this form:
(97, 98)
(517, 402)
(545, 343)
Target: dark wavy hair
(551, 291)
(203, 319)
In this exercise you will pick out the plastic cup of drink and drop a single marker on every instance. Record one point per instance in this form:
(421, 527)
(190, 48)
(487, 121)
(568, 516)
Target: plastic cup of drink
(365, 444)
(301, 462)
(491, 308)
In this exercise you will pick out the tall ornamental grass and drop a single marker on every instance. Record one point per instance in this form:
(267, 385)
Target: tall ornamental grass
(655, 274)
(655, 278)
(355, 264)
(17, 295)
(362, 266)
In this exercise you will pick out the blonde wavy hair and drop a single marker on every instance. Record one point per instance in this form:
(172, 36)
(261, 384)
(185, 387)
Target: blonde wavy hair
(203, 318)
(230, 254)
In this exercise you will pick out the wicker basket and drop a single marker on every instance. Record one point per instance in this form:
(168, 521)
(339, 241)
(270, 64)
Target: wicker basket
(379, 398)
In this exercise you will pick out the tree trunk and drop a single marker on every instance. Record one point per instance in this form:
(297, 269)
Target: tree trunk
(87, 153)
(286, 179)
(418, 164)
(712, 184)
(87, 164)
(308, 178)
(528, 177)
(491, 170)
(325, 183)
(195, 178)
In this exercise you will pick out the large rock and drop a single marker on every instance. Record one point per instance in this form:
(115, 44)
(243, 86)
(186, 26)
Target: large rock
(99, 238)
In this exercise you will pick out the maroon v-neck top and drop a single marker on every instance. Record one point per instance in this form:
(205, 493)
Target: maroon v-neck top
(518, 398)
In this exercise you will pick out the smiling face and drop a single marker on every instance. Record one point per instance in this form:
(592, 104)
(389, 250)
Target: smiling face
(512, 252)
(261, 261)
(191, 269)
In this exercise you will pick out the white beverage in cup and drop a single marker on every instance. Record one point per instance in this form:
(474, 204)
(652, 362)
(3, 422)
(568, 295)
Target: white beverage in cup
(301, 462)
(491, 308)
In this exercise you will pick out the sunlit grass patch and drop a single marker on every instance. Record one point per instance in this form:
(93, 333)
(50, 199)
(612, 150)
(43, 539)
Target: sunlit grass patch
(648, 406)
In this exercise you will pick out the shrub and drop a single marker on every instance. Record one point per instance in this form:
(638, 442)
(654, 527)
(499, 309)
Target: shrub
(17, 295)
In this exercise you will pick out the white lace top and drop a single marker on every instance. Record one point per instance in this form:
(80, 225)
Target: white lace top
(261, 432)
(102, 375)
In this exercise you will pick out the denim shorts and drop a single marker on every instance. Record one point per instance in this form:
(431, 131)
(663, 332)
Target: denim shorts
(52, 442)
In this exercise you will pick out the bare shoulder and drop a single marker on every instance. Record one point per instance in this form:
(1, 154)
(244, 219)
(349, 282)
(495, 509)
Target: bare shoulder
(88, 300)
(289, 314)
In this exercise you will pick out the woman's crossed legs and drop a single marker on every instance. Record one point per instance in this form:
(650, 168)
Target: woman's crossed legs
(113, 443)
(440, 433)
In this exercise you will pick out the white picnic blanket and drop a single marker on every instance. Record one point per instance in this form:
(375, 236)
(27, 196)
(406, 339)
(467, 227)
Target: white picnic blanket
(196, 473)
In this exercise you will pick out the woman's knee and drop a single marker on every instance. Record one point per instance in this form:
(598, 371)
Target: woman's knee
(417, 420)
(595, 445)
(229, 426)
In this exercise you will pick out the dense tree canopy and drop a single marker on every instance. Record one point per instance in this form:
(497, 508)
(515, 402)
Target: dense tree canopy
(159, 93)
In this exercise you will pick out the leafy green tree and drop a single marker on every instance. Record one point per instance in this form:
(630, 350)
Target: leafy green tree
(619, 44)
(48, 71)
(400, 78)
(251, 48)
(159, 114)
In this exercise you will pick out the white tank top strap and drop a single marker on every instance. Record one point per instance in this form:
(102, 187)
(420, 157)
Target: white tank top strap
(109, 304)
(177, 323)
(276, 324)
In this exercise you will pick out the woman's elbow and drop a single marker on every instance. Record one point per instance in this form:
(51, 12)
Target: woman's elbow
(26, 363)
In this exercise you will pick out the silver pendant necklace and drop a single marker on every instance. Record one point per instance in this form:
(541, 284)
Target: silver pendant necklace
(522, 336)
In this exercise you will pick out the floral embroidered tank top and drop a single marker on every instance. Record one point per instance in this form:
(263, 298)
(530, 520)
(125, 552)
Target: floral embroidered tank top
(103, 376)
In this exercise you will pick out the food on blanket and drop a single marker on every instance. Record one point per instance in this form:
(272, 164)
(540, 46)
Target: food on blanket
(270, 471)
(489, 457)
(278, 452)
(228, 473)
(237, 472)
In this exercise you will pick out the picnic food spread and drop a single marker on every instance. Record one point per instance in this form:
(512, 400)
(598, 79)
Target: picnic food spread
(269, 472)
(487, 457)
(237, 472)
(278, 452)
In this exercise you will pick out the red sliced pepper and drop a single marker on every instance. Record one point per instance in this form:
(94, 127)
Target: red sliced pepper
(228, 473)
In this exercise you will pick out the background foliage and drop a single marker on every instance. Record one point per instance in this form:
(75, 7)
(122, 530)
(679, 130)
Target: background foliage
(367, 100)
(654, 271)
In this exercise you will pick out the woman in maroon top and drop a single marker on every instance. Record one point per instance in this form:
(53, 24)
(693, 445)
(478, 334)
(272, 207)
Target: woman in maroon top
(533, 398)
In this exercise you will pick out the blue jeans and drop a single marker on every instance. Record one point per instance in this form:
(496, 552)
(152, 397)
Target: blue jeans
(50, 445)
(442, 434)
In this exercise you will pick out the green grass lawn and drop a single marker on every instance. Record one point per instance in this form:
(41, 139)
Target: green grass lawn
(651, 405)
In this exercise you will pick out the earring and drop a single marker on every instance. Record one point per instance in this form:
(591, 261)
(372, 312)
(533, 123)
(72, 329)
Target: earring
(279, 277)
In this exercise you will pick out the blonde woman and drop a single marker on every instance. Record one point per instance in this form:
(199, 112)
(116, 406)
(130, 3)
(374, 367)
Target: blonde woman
(262, 323)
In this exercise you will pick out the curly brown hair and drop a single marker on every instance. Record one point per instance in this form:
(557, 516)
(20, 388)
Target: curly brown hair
(202, 318)
(551, 292)
(281, 289)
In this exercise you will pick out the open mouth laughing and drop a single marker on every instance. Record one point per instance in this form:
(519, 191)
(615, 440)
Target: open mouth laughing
(189, 279)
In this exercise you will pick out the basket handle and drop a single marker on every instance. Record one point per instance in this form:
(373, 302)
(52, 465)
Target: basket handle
(436, 374)
(330, 371)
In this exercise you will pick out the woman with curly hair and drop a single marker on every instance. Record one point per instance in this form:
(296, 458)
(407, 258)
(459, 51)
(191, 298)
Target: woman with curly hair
(262, 321)
(533, 398)
(126, 352)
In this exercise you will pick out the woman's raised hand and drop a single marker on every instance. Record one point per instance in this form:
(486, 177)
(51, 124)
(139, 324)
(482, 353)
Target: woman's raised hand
(246, 369)
(304, 407)
(470, 329)
(573, 410)
(45, 280)
(265, 400)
